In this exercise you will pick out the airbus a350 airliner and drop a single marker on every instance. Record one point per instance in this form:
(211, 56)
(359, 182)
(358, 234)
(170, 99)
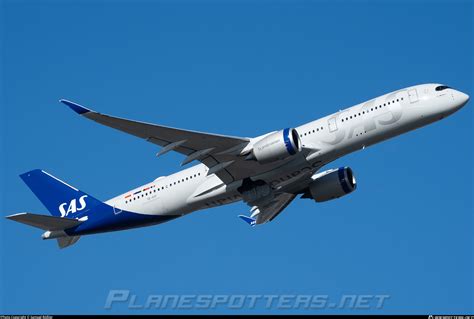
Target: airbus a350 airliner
(266, 172)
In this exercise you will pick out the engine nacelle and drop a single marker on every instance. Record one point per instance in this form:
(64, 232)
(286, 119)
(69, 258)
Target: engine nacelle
(331, 184)
(276, 146)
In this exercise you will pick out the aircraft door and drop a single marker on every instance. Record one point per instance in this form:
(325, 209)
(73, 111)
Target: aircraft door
(332, 124)
(413, 95)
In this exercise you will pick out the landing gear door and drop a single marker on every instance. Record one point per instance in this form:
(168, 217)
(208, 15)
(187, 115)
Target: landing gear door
(413, 95)
(332, 124)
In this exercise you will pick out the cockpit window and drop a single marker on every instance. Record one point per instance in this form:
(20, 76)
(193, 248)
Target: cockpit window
(442, 87)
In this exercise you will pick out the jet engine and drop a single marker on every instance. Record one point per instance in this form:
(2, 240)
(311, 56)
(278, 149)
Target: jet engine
(331, 184)
(276, 146)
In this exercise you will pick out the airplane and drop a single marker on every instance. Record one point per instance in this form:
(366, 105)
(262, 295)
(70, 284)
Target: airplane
(266, 172)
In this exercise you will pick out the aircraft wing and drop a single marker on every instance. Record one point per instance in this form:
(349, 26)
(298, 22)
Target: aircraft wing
(217, 152)
(266, 212)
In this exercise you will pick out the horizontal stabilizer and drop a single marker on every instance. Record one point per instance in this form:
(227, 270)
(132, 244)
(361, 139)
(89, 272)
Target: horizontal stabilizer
(248, 220)
(64, 242)
(44, 222)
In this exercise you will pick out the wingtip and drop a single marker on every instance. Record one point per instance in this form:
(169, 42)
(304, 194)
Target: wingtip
(79, 109)
(12, 217)
(249, 220)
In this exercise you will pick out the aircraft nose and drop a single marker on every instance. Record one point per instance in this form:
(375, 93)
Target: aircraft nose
(460, 99)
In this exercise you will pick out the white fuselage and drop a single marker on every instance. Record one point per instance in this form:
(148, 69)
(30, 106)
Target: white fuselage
(333, 136)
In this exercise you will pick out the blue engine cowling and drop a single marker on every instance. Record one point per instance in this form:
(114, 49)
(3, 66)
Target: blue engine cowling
(331, 184)
(276, 146)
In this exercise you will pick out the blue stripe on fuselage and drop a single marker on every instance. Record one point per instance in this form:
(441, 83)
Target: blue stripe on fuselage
(102, 218)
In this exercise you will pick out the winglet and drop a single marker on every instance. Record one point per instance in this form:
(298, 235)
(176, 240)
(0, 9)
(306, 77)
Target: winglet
(249, 220)
(75, 107)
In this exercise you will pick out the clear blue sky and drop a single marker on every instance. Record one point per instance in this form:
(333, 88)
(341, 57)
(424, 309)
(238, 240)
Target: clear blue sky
(239, 68)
